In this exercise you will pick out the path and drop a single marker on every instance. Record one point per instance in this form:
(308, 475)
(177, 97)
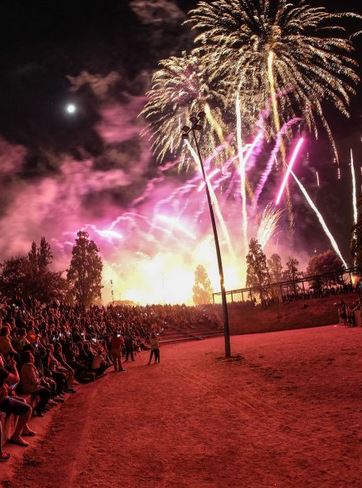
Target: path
(286, 414)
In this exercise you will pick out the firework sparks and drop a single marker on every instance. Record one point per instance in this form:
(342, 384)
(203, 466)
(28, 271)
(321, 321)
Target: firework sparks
(178, 91)
(260, 50)
(269, 222)
(289, 169)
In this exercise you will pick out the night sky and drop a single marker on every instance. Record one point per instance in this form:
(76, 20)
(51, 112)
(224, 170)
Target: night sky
(44, 46)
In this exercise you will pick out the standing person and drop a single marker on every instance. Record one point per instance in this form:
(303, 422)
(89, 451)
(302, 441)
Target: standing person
(155, 348)
(117, 343)
(128, 344)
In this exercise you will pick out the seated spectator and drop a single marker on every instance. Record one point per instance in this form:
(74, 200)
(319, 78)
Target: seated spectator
(6, 346)
(58, 353)
(31, 382)
(11, 404)
(4, 456)
(56, 371)
(98, 364)
(20, 341)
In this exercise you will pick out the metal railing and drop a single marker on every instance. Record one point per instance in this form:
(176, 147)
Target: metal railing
(305, 285)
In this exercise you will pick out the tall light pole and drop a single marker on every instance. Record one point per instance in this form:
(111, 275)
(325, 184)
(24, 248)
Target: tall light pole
(196, 126)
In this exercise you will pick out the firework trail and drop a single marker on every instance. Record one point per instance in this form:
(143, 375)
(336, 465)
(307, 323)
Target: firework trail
(289, 169)
(242, 173)
(321, 220)
(317, 178)
(272, 161)
(354, 191)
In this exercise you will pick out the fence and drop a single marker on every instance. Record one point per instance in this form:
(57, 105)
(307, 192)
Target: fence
(306, 286)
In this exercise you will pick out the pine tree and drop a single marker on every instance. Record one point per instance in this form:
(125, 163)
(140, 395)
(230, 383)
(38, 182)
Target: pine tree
(275, 268)
(44, 255)
(356, 240)
(292, 272)
(202, 289)
(29, 276)
(85, 271)
(257, 272)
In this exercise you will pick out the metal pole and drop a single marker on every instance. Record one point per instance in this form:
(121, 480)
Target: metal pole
(218, 253)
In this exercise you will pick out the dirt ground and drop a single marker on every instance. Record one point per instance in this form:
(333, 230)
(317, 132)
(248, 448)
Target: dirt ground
(287, 413)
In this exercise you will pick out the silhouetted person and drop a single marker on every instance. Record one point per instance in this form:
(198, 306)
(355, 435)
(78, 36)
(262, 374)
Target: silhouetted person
(128, 344)
(155, 348)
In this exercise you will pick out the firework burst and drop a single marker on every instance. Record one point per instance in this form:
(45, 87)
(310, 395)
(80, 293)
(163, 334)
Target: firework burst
(179, 91)
(264, 48)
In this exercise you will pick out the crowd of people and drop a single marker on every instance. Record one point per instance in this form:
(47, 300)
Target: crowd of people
(318, 292)
(47, 350)
(346, 312)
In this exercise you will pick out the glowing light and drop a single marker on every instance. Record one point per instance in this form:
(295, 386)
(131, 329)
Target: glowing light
(354, 191)
(289, 169)
(321, 220)
(71, 108)
(317, 178)
(109, 234)
(339, 173)
(176, 224)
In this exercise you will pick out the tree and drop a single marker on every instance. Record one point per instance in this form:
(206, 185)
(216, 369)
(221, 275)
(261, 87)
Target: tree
(85, 271)
(292, 273)
(275, 268)
(356, 241)
(257, 272)
(15, 276)
(324, 263)
(29, 277)
(44, 255)
(202, 289)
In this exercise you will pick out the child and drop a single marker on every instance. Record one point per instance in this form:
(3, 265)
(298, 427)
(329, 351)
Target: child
(155, 348)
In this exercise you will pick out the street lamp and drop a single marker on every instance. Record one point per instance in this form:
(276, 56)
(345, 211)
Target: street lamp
(196, 126)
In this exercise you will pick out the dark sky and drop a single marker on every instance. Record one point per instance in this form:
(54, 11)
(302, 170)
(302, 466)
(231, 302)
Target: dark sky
(40, 45)
(43, 42)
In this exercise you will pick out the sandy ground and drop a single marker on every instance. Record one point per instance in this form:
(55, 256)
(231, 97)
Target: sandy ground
(288, 413)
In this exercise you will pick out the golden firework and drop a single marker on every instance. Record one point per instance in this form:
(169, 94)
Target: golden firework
(179, 91)
(282, 53)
